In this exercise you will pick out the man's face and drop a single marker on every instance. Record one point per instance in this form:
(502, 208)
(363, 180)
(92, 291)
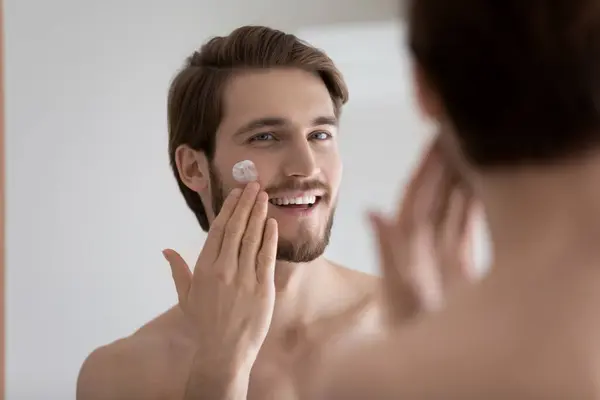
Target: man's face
(283, 120)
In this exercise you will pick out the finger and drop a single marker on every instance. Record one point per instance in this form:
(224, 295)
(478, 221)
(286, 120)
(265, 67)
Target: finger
(469, 213)
(456, 234)
(465, 245)
(421, 169)
(386, 257)
(447, 186)
(417, 285)
(212, 245)
(430, 154)
(402, 300)
(421, 193)
(266, 257)
(456, 215)
(236, 226)
(182, 276)
(252, 240)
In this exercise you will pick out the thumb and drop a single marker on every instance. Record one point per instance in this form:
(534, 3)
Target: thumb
(386, 257)
(398, 292)
(182, 276)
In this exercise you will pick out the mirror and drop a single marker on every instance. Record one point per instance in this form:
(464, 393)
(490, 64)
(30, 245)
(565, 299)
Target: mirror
(91, 199)
(2, 212)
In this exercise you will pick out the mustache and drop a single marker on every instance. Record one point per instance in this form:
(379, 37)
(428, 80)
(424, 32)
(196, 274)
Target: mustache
(297, 185)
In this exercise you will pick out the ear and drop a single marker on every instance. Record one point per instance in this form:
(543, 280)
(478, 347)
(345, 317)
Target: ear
(193, 168)
(427, 98)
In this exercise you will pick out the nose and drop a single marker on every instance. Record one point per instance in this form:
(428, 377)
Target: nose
(300, 161)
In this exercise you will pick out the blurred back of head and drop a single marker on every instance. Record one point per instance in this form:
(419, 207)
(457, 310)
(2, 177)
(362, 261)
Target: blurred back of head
(518, 80)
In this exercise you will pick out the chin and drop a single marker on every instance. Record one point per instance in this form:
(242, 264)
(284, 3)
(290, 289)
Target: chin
(301, 251)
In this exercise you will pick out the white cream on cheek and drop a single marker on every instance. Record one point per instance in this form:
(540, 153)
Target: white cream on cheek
(244, 171)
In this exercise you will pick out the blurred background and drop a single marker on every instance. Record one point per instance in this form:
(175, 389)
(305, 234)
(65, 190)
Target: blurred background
(91, 200)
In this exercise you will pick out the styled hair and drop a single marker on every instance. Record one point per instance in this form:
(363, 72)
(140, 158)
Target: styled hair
(519, 80)
(195, 101)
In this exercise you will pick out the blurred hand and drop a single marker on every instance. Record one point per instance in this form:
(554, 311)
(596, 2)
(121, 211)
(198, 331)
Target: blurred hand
(425, 250)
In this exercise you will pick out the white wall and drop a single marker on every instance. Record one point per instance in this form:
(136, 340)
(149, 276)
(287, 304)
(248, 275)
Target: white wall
(90, 197)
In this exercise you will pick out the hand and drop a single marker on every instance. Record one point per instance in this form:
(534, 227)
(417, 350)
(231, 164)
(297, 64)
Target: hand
(425, 250)
(228, 302)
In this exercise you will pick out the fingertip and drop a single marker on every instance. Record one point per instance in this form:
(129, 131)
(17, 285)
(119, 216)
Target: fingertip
(262, 197)
(173, 258)
(167, 254)
(252, 186)
(375, 223)
(372, 216)
(381, 223)
(375, 217)
(379, 228)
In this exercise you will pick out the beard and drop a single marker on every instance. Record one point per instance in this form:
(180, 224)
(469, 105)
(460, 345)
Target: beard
(306, 246)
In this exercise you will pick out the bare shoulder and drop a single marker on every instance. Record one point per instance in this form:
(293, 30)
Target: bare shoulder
(150, 364)
(364, 282)
(454, 348)
(361, 293)
(364, 287)
(392, 364)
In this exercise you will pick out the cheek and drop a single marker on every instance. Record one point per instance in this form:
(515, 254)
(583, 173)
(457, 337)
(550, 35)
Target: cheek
(222, 172)
(332, 169)
(268, 167)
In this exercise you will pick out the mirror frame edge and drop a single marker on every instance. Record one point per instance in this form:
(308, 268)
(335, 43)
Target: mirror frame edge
(2, 213)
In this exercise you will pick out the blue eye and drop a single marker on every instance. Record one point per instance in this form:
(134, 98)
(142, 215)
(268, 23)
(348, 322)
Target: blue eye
(262, 137)
(321, 135)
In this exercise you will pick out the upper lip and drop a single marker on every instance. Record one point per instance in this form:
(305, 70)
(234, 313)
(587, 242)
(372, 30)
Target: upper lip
(294, 195)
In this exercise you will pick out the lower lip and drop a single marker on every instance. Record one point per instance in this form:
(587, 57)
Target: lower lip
(296, 211)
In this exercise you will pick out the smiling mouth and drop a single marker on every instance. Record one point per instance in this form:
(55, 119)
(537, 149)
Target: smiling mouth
(305, 202)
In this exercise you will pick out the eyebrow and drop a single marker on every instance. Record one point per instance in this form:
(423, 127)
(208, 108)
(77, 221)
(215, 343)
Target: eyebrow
(277, 122)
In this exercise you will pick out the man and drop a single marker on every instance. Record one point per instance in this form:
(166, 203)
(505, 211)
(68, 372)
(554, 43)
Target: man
(262, 304)
(516, 85)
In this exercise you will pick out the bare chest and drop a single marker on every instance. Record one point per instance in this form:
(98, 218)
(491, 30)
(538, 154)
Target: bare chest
(289, 360)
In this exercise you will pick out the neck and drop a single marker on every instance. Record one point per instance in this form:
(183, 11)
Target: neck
(544, 217)
(297, 288)
(289, 277)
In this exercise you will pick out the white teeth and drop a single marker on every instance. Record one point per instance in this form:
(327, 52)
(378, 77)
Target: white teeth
(284, 201)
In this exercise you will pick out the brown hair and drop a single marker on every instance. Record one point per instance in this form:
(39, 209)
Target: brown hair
(195, 107)
(519, 79)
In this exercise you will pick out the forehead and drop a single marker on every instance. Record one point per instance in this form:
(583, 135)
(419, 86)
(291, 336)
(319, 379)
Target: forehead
(291, 94)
